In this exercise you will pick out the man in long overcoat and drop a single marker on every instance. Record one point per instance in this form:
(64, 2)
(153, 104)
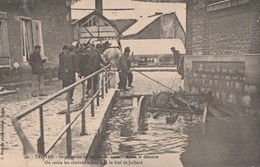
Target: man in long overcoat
(94, 64)
(68, 70)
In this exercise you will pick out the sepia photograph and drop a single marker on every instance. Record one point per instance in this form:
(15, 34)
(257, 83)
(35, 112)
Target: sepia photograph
(138, 83)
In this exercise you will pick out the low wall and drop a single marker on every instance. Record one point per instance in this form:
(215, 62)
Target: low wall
(94, 150)
(23, 74)
(233, 79)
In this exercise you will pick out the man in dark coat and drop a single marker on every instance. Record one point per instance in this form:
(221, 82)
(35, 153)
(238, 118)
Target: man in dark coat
(36, 62)
(176, 56)
(83, 62)
(65, 49)
(68, 70)
(123, 70)
(130, 74)
(94, 64)
(178, 61)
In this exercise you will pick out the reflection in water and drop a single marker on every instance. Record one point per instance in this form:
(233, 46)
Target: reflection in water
(130, 136)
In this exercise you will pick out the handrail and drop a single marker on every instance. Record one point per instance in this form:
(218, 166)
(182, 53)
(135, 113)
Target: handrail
(28, 148)
(19, 116)
(76, 117)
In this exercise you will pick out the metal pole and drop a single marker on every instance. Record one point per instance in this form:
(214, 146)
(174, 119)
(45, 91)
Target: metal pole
(40, 142)
(41, 151)
(106, 80)
(97, 89)
(68, 137)
(102, 84)
(92, 93)
(109, 75)
(83, 121)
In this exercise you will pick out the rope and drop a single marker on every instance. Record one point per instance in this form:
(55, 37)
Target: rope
(153, 80)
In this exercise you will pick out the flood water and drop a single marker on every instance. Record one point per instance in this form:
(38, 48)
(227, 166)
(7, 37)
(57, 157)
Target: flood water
(148, 142)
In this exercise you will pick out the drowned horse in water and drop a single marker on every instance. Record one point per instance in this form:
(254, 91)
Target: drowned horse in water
(172, 104)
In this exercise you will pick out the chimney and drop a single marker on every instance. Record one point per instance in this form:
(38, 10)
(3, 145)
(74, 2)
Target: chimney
(99, 6)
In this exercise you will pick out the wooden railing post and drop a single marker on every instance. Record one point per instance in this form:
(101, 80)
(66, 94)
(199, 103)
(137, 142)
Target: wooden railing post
(92, 94)
(83, 121)
(68, 137)
(40, 141)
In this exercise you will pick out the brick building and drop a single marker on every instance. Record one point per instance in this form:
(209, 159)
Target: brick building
(223, 27)
(223, 53)
(27, 23)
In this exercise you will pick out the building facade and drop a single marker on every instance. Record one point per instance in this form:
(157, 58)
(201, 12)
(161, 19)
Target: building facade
(27, 23)
(223, 53)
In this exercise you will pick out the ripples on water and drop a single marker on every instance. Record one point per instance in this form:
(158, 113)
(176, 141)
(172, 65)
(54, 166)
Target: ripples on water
(126, 137)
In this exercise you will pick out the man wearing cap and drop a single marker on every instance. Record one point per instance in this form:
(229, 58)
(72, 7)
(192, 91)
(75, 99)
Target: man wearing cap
(36, 62)
(123, 69)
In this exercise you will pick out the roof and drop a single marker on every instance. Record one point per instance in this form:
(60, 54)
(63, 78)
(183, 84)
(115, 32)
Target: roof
(109, 29)
(152, 46)
(127, 9)
(140, 25)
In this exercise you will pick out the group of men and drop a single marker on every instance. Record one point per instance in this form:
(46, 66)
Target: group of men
(82, 60)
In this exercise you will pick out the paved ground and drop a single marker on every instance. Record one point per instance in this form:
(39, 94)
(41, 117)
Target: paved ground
(53, 122)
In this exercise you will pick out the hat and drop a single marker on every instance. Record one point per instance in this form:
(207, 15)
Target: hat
(37, 47)
(127, 49)
(65, 47)
(107, 43)
(99, 46)
(172, 48)
(71, 47)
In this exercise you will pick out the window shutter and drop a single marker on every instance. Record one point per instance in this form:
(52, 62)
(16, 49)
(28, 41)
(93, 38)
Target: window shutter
(4, 45)
(37, 35)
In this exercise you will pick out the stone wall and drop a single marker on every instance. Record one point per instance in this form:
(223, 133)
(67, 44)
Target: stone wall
(233, 79)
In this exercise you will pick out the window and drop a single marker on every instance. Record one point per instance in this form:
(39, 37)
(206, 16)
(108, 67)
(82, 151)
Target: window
(4, 43)
(31, 35)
